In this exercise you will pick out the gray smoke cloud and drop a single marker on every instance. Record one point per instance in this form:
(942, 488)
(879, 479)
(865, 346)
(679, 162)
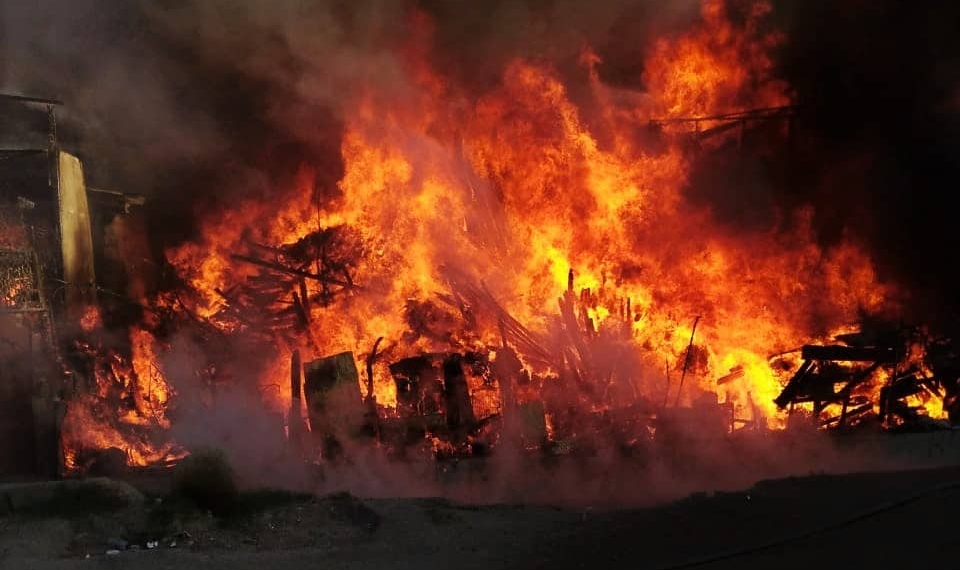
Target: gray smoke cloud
(152, 89)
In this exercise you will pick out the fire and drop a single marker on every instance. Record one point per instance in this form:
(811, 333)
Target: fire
(718, 67)
(91, 319)
(531, 201)
(138, 383)
(524, 184)
(152, 391)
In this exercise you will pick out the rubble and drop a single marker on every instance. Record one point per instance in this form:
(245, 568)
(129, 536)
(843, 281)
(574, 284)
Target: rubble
(874, 373)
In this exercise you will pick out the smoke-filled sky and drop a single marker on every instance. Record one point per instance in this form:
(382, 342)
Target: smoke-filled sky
(194, 101)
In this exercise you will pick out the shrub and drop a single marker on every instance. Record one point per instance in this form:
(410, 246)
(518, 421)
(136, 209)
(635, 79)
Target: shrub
(206, 479)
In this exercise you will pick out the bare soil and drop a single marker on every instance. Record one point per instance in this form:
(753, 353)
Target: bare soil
(879, 520)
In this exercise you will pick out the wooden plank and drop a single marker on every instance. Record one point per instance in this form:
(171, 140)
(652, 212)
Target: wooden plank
(849, 353)
(289, 270)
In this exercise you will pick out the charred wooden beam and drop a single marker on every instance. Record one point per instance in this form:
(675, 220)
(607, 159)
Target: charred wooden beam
(295, 422)
(761, 113)
(842, 353)
(899, 388)
(28, 99)
(735, 373)
(858, 378)
(302, 313)
(289, 270)
(370, 399)
(458, 406)
(849, 413)
(304, 295)
(686, 359)
(295, 376)
(371, 359)
(793, 387)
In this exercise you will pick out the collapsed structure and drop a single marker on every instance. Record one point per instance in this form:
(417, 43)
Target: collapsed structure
(866, 382)
(832, 375)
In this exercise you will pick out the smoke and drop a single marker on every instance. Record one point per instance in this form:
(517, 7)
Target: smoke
(879, 83)
(154, 89)
(609, 478)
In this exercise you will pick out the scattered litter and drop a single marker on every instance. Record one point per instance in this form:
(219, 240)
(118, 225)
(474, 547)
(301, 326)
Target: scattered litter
(153, 544)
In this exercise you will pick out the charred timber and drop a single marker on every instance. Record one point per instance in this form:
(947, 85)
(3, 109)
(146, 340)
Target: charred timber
(371, 359)
(751, 114)
(295, 423)
(847, 415)
(303, 315)
(902, 387)
(458, 406)
(735, 373)
(840, 353)
(793, 387)
(290, 270)
(28, 99)
(479, 300)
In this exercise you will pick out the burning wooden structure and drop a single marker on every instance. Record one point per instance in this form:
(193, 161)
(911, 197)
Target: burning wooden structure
(883, 373)
(434, 399)
(874, 373)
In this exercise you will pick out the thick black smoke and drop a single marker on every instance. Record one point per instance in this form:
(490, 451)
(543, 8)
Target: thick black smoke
(880, 86)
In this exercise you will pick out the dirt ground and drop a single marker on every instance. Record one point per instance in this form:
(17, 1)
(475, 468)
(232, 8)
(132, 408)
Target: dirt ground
(878, 520)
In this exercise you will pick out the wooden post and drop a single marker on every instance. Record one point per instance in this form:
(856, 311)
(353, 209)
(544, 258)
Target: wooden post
(295, 426)
(458, 407)
(334, 403)
(686, 360)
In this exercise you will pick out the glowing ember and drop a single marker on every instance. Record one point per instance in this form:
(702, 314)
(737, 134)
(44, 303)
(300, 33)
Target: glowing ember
(90, 320)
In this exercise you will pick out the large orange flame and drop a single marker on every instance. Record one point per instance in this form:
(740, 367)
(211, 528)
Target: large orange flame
(523, 184)
(516, 186)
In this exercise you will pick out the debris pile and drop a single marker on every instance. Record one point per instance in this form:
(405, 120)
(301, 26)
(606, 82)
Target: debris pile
(882, 373)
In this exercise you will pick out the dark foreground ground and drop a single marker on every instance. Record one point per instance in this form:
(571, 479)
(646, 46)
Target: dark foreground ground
(878, 520)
